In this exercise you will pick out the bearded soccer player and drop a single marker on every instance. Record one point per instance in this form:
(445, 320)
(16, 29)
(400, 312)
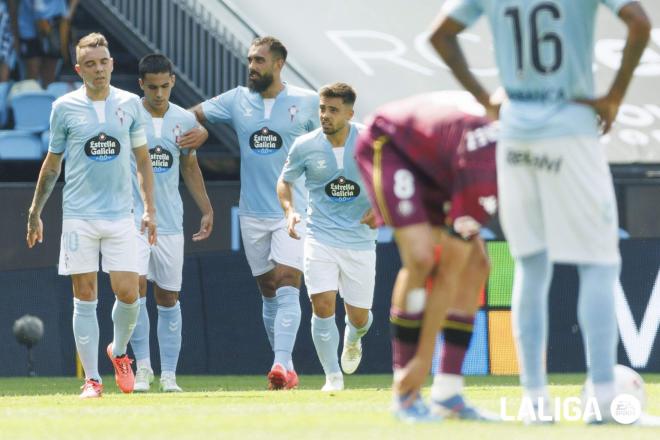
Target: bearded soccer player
(165, 122)
(267, 116)
(99, 127)
(429, 167)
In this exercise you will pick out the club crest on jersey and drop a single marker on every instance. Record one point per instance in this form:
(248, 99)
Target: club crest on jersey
(102, 148)
(176, 131)
(293, 111)
(121, 115)
(342, 190)
(265, 141)
(161, 159)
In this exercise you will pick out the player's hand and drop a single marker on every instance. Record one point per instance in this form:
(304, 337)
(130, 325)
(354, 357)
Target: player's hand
(44, 27)
(149, 224)
(193, 138)
(369, 219)
(205, 227)
(35, 230)
(606, 108)
(466, 227)
(409, 380)
(291, 221)
(494, 104)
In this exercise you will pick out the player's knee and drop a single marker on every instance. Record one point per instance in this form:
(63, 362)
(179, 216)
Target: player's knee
(359, 320)
(86, 293)
(84, 290)
(127, 292)
(323, 307)
(288, 277)
(168, 299)
(421, 261)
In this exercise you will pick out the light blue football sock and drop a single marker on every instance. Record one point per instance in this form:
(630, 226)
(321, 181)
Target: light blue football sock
(124, 318)
(268, 312)
(529, 307)
(597, 318)
(169, 336)
(326, 341)
(355, 333)
(287, 322)
(140, 337)
(86, 335)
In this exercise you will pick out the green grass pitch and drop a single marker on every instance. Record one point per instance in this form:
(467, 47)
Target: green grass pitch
(229, 407)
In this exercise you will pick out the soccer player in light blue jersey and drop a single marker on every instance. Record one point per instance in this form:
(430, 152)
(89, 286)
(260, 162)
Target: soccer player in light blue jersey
(267, 116)
(98, 127)
(556, 195)
(165, 122)
(340, 246)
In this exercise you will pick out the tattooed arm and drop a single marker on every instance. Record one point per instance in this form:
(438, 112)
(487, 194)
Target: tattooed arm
(50, 171)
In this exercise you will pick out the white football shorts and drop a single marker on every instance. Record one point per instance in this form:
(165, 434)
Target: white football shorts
(351, 272)
(162, 263)
(267, 242)
(82, 240)
(557, 194)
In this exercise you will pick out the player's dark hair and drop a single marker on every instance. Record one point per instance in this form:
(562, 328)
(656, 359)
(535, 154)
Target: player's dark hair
(275, 46)
(155, 63)
(339, 90)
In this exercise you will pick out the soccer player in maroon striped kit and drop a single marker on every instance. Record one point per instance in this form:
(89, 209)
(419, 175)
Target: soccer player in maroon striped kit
(429, 165)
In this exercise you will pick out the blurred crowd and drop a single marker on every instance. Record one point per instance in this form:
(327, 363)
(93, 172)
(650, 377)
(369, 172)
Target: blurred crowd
(34, 41)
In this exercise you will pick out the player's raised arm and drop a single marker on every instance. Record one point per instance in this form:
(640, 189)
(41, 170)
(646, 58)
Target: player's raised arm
(444, 39)
(198, 112)
(639, 30)
(50, 171)
(192, 176)
(146, 180)
(285, 195)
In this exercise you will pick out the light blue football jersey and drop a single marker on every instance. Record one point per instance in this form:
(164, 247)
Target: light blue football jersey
(165, 154)
(97, 153)
(544, 52)
(265, 142)
(337, 196)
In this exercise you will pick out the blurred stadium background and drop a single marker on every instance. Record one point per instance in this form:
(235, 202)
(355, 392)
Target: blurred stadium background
(378, 47)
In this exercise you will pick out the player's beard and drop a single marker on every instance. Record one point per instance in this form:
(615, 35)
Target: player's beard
(260, 84)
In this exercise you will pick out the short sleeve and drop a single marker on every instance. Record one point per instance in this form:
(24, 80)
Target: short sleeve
(616, 5)
(58, 131)
(464, 11)
(294, 166)
(189, 122)
(218, 109)
(138, 136)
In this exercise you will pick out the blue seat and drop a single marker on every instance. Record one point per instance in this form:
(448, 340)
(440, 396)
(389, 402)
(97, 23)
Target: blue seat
(19, 145)
(32, 111)
(4, 108)
(60, 88)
